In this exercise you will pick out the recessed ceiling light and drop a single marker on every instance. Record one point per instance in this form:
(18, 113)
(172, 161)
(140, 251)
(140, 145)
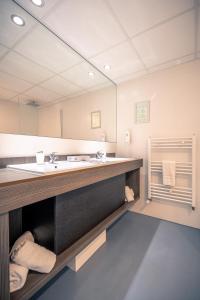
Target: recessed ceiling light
(38, 3)
(107, 67)
(91, 74)
(18, 20)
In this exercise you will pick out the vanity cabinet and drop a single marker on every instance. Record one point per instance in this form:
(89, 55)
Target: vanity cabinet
(65, 212)
(60, 221)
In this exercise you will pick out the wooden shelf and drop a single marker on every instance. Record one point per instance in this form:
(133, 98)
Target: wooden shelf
(36, 281)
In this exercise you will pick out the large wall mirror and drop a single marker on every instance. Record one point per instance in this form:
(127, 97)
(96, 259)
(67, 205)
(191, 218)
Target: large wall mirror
(46, 88)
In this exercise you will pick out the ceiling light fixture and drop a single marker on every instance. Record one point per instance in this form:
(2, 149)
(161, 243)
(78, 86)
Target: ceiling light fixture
(107, 67)
(18, 20)
(38, 3)
(91, 74)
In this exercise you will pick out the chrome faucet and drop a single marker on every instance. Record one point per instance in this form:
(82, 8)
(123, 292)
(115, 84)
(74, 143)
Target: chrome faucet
(100, 154)
(52, 157)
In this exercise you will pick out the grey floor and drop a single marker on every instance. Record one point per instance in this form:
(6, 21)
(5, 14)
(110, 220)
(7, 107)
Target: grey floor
(144, 259)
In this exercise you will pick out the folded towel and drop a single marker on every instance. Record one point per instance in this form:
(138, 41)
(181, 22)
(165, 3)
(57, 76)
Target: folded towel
(34, 257)
(129, 193)
(169, 172)
(18, 275)
(27, 236)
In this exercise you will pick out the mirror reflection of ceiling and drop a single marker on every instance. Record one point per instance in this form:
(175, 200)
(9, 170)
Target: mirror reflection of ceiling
(125, 38)
(35, 66)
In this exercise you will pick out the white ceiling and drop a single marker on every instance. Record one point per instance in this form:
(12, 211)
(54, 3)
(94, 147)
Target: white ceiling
(134, 37)
(37, 66)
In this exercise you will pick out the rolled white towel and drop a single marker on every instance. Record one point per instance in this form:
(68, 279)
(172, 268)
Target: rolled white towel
(18, 275)
(27, 236)
(34, 257)
(129, 194)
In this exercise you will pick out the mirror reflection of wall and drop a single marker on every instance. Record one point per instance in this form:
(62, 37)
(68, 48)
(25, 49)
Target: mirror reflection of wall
(40, 77)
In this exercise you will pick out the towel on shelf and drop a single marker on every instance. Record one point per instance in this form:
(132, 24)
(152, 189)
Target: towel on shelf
(27, 236)
(17, 276)
(34, 257)
(129, 194)
(169, 172)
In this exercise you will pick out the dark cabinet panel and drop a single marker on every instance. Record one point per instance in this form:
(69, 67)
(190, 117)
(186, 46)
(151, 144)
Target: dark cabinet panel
(80, 210)
(60, 221)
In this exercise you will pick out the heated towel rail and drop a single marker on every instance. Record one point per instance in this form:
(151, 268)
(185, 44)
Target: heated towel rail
(183, 151)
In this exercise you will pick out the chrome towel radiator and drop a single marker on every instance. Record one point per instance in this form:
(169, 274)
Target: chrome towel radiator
(183, 151)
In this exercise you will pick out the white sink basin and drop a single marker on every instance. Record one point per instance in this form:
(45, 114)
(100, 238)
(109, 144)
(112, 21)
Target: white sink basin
(48, 168)
(60, 166)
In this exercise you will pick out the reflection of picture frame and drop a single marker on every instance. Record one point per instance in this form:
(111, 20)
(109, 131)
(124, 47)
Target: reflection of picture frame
(96, 119)
(142, 112)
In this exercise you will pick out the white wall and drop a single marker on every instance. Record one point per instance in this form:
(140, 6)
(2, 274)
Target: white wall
(28, 120)
(49, 121)
(17, 118)
(77, 116)
(22, 145)
(175, 111)
(9, 116)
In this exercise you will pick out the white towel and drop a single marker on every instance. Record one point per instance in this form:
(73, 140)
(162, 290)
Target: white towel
(34, 257)
(169, 172)
(27, 236)
(18, 275)
(129, 194)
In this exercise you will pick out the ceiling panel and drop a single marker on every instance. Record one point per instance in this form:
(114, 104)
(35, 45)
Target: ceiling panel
(60, 86)
(88, 26)
(3, 50)
(122, 59)
(8, 8)
(79, 76)
(130, 76)
(168, 41)
(41, 94)
(10, 82)
(6, 94)
(23, 68)
(47, 50)
(159, 30)
(36, 10)
(139, 15)
(172, 63)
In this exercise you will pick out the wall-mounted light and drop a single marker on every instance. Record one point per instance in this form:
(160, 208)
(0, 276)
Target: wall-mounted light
(107, 67)
(18, 20)
(38, 3)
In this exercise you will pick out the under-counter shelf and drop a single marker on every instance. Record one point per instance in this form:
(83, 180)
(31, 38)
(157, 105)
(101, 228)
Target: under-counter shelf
(36, 281)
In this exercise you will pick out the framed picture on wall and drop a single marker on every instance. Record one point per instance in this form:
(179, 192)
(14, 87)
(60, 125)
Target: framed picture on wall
(142, 112)
(96, 119)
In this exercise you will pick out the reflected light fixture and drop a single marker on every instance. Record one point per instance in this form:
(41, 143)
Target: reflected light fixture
(91, 74)
(107, 67)
(18, 20)
(38, 3)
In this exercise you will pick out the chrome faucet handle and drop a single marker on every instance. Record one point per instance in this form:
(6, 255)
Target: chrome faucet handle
(99, 154)
(52, 157)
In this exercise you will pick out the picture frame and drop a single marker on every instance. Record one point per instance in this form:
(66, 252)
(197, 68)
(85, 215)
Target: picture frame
(142, 112)
(96, 119)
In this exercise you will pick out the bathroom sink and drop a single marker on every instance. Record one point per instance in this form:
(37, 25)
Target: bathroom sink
(60, 166)
(48, 168)
(108, 159)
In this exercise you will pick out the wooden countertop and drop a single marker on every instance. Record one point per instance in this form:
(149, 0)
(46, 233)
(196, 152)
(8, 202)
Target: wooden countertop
(20, 188)
(12, 176)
